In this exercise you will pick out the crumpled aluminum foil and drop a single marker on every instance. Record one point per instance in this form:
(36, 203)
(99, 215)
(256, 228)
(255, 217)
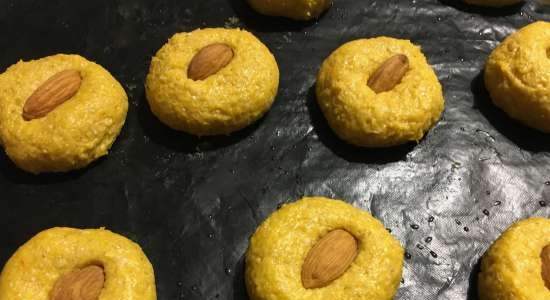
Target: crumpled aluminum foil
(192, 203)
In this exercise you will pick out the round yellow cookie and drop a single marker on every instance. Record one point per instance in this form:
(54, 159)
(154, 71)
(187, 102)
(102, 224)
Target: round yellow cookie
(75, 133)
(301, 10)
(365, 118)
(280, 245)
(511, 268)
(493, 3)
(227, 101)
(517, 75)
(32, 272)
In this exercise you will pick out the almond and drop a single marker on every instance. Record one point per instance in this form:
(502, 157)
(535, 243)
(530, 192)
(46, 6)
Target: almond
(545, 262)
(209, 61)
(329, 259)
(82, 284)
(53, 92)
(389, 74)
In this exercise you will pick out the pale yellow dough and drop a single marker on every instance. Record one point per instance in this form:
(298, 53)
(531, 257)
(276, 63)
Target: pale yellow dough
(227, 101)
(517, 75)
(278, 248)
(511, 268)
(74, 134)
(301, 10)
(362, 117)
(33, 270)
(493, 3)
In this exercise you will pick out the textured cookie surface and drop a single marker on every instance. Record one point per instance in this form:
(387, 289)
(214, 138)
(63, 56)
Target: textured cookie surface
(294, 9)
(233, 98)
(517, 75)
(280, 245)
(511, 268)
(75, 133)
(362, 117)
(32, 271)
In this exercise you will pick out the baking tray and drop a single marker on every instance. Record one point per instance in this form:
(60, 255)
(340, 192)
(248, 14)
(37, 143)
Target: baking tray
(192, 203)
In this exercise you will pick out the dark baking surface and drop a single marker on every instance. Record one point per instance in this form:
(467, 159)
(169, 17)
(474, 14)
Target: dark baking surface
(193, 203)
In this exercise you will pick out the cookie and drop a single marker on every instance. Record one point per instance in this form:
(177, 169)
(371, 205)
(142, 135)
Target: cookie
(379, 92)
(62, 261)
(212, 81)
(319, 248)
(301, 10)
(513, 268)
(59, 113)
(517, 76)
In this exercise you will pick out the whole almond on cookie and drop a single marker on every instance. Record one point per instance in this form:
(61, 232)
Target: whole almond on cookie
(329, 259)
(53, 92)
(209, 61)
(82, 284)
(389, 74)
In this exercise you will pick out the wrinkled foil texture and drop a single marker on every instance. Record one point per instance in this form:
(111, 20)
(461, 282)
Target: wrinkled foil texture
(192, 203)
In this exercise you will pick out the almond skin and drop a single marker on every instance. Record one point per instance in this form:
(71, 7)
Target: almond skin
(53, 92)
(389, 74)
(209, 61)
(82, 284)
(329, 259)
(545, 262)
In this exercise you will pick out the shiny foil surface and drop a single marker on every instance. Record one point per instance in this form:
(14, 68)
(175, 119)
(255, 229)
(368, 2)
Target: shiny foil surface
(192, 203)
